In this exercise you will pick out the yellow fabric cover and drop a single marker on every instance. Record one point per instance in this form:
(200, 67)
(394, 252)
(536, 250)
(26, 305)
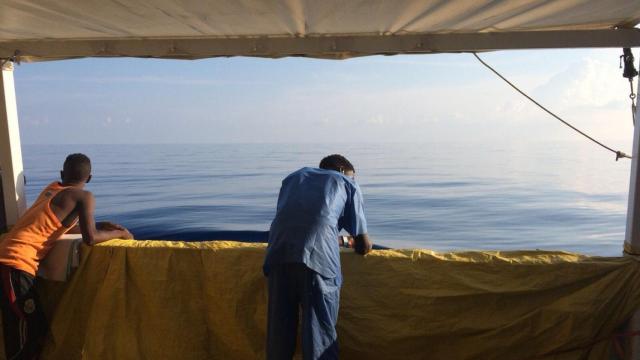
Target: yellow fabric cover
(175, 300)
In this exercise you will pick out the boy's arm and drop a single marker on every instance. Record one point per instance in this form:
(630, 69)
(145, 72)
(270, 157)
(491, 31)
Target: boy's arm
(101, 225)
(90, 234)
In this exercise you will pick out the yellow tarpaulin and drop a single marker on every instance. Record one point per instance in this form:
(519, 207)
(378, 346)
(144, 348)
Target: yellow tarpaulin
(173, 300)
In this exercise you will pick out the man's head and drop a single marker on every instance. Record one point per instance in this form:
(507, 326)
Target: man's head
(76, 169)
(338, 163)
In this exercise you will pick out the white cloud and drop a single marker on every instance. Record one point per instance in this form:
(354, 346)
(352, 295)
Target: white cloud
(366, 98)
(142, 79)
(589, 82)
(588, 93)
(37, 122)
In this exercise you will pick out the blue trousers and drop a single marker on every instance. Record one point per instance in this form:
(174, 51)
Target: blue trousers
(294, 287)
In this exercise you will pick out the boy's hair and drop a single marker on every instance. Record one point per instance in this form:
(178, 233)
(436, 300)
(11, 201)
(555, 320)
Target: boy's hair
(77, 167)
(336, 162)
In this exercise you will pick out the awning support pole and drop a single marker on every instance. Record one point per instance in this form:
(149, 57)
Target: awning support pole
(632, 235)
(11, 170)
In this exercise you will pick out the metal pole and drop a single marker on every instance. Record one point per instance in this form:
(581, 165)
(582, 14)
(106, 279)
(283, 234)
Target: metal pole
(11, 169)
(632, 234)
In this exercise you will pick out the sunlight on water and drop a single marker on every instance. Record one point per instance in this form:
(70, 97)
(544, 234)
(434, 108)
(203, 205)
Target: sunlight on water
(568, 196)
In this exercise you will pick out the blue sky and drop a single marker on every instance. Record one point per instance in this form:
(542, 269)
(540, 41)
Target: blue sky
(443, 97)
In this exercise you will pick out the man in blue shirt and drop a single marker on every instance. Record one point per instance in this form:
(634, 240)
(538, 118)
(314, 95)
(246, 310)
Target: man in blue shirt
(303, 257)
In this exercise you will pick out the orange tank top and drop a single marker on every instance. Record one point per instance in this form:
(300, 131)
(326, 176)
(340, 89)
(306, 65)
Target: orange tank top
(31, 238)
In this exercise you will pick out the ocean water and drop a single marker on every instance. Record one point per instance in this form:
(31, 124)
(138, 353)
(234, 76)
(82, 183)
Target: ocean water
(568, 196)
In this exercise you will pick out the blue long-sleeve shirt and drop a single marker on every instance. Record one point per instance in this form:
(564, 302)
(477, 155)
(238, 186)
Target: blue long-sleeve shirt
(313, 205)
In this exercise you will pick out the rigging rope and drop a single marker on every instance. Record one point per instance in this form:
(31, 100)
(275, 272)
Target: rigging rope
(632, 96)
(14, 59)
(629, 72)
(619, 154)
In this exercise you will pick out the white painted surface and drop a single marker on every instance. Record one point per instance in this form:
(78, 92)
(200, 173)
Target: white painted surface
(62, 259)
(15, 202)
(632, 235)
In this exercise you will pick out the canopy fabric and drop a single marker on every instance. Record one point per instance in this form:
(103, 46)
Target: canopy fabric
(174, 300)
(41, 30)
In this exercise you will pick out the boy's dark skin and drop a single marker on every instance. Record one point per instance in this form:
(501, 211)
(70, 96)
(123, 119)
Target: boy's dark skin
(76, 202)
(23, 320)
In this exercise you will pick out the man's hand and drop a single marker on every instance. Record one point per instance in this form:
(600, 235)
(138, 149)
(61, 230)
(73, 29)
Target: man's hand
(362, 244)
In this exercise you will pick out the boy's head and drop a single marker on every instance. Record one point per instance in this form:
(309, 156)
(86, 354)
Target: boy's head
(76, 169)
(338, 163)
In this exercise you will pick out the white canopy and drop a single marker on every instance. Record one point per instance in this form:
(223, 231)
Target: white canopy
(41, 30)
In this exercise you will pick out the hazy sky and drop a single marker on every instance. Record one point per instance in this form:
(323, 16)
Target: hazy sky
(447, 97)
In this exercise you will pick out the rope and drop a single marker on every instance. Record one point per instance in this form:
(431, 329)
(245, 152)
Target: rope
(15, 59)
(632, 96)
(629, 72)
(3, 62)
(619, 154)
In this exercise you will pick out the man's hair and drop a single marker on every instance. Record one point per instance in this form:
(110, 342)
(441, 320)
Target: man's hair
(336, 162)
(77, 167)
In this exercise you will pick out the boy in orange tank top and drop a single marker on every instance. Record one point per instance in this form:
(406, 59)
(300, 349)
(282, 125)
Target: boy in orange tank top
(62, 207)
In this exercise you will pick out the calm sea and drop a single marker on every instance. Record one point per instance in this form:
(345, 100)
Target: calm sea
(569, 196)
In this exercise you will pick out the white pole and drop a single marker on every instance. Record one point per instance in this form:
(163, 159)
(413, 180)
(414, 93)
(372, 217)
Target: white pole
(632, 234)
(15, 202)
